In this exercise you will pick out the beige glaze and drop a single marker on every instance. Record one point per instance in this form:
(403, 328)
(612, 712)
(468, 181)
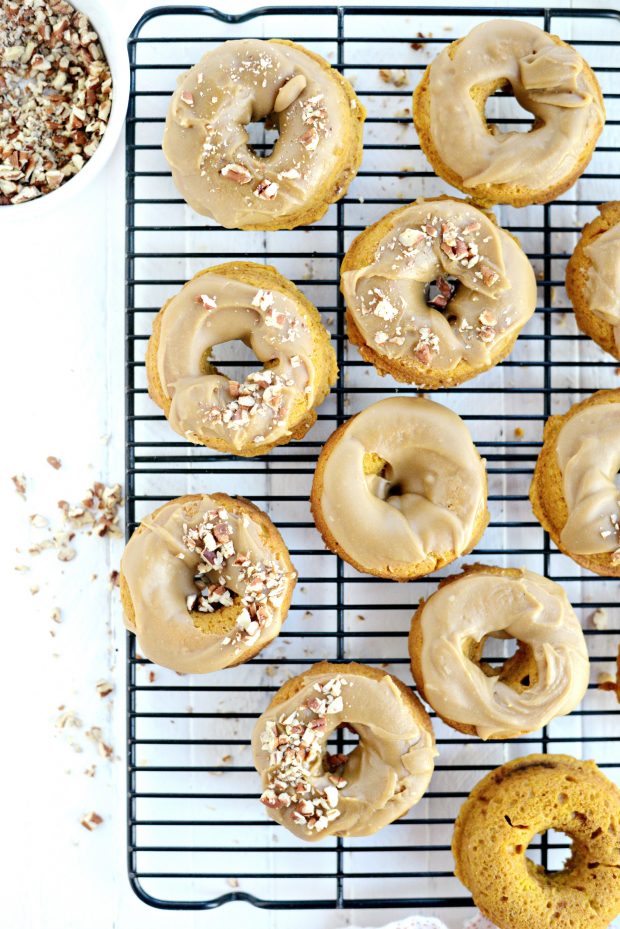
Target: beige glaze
(496, 293)
(531, 609)
(159, 569)
(604, 278)
(588, 453)
(383, 777)
(547, 79)
(206, 142)
(432, 461)
(212, 309)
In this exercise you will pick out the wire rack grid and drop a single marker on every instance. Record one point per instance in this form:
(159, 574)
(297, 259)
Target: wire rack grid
(198, 837)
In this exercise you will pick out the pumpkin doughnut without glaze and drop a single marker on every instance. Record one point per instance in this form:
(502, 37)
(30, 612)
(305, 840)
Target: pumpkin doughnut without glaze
(315, 158)
(513, 805)
(206, 582)
(573, 492)
(256, 305)
(400, 490)
(546, 677)
(436, 292)
(548, 78)
(316, 794)
(593, 279)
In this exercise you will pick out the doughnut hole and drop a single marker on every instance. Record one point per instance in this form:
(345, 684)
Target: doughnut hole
(497, 100)
(383, 481)
(518, 671)
(234, 360)
(380, 476)
(263, 133)
(566, 862)
(438, 294)
(222, 621)
(336, 761)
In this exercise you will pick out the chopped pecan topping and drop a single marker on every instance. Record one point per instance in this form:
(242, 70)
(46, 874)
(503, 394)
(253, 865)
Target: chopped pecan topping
(209, 303)
(310, 139)
(290, 174)
(487, 318)
(266, 190)
(489, 276)
(289, 92)
(427, 346)
(263, 583)
(385, 309)
(263, 299)
(295, 744)
(237, 173)
(411, 237)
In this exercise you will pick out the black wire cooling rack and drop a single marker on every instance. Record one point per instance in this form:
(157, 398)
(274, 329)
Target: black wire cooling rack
(198, 837)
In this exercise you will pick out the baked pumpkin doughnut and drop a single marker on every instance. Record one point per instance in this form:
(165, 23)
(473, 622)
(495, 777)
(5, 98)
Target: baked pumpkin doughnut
(593, 279)
(548, 78)
(400, 490)
(206, 582)
(255, 304)
(511, 806)
(436, 292)
(316, 794)
(573, 491)
(318, 152)
(546, 677)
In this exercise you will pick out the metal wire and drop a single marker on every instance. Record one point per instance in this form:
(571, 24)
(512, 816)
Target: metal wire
(194, 822)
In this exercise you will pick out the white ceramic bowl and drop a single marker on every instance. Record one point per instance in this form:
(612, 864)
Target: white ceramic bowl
(113, 36)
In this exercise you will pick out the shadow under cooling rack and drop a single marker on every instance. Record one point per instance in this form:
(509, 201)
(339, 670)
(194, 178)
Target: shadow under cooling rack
(197, 835)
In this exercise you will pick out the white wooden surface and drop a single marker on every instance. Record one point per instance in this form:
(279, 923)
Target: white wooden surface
(62, 295)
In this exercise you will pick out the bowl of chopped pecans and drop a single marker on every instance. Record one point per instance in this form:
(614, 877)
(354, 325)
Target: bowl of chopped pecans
(64, 86)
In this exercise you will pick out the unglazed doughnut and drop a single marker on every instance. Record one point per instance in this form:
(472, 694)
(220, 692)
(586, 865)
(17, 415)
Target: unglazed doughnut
(573, 492)
(400, 490)
(511, 806)
(593, 279)
(255, 304)
(315, 158)
(206, 582)
(315, 794)
(546, 677)
(485, 291)
(548, 78)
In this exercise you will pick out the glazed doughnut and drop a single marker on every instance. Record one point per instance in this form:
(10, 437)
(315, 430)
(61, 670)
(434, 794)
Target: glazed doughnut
(436, 292)
(255, 304)
(546, 677)
(548, 78)
(206, 582)
(400, 490)
(315, 158)
(511, 806)
(593, 279)
(573, 491)
(315, 794)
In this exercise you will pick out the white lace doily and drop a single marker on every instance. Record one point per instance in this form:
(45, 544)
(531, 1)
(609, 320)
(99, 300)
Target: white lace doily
(429, 922)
